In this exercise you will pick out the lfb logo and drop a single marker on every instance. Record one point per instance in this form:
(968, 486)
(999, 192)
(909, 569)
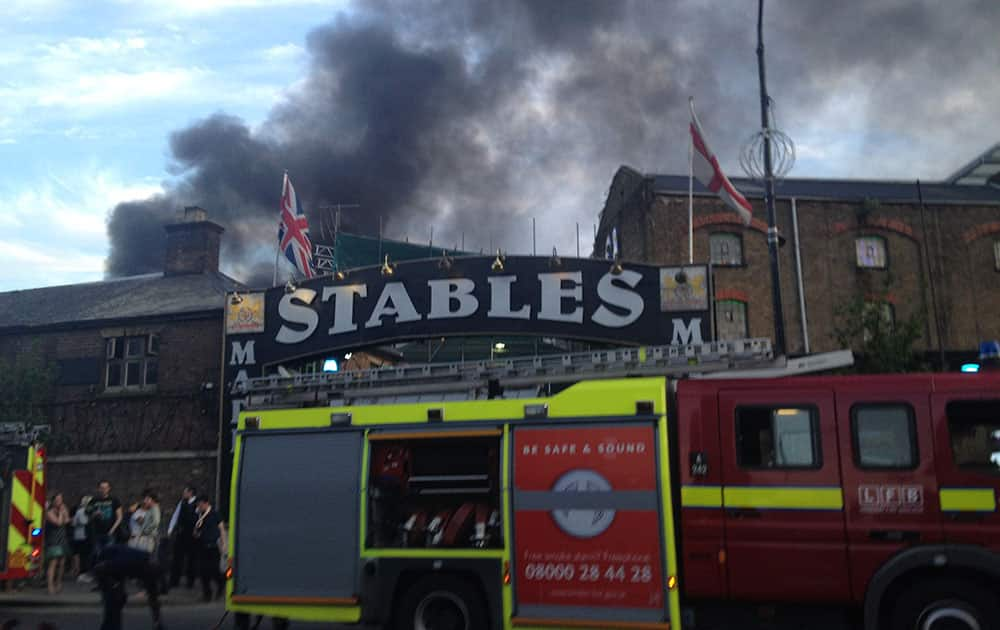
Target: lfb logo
(890, 498)
(583, 523)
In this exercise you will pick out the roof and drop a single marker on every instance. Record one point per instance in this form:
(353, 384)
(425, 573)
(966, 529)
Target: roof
(984, 169)
(354, 250)
(149, 295)
(845, 190)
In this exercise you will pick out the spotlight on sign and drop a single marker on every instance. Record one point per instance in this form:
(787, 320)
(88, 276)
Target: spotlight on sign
(236, 299)
(616, 267)
(290, 287)
(445, 262)
(498, 262)
(387, 268)
(555, 261)
(331, 365)
(340, 275)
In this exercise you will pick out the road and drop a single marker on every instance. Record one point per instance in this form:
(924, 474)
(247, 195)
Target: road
(188, 617)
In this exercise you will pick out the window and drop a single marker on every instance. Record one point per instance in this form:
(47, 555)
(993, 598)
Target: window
(884, 436)
(871, 252)
(974, 427)
(731, 320)
(885, 322)
(777, 437)
(131, 362)
(996, 255)
(726, 249)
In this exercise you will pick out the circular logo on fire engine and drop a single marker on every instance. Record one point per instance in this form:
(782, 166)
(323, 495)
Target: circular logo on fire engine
(583, 523)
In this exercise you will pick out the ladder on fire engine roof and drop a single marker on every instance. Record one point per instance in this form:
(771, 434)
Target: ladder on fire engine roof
(519, 377)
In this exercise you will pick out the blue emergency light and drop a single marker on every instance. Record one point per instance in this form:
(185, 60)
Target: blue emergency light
(989, 350)
(331, 365)
(37, 531)
(970, 367)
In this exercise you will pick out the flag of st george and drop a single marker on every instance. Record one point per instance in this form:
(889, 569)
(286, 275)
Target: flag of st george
(705, 167)
(293, 232)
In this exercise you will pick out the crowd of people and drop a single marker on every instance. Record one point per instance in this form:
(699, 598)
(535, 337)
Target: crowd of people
(191, 545)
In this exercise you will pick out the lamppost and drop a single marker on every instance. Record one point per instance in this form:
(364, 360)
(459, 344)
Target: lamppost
(769, 153)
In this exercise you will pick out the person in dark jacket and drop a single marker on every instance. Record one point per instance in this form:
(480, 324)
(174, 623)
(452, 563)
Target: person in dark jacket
(210, 540)
(181, 531)
(115, 565)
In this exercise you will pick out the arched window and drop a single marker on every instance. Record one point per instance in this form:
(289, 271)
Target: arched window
(731, 320)
(726, 249)
(871, 252)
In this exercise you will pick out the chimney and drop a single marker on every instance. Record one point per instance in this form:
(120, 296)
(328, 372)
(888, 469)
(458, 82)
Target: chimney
(192, 244)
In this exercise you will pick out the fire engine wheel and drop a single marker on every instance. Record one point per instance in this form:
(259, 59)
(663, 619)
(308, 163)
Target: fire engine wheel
(945, 604)
(441, 602)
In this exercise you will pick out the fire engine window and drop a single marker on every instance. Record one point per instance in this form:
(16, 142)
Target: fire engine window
(974, 427)
(431, 492)
(777, 437)
(884, 436)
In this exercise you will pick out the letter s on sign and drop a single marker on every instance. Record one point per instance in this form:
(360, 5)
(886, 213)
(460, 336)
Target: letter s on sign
(618, 296)
(297, 313)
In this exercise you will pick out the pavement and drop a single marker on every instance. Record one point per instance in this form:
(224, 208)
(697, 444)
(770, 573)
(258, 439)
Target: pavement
(79, 608)
(77, 594)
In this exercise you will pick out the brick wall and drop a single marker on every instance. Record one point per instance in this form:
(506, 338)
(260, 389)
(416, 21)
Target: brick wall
(180, 415)
(958, 269)
(129, 479)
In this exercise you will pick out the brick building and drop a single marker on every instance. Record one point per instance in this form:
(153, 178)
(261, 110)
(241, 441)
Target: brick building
(137, 369)
(841, 240)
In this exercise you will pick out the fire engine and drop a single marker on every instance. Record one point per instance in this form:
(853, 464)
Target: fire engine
(22, 501)
(703, 486)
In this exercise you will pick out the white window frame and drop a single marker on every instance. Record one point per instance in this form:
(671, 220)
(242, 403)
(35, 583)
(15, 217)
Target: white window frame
(148, 352)
(859, 261)
(729, 236)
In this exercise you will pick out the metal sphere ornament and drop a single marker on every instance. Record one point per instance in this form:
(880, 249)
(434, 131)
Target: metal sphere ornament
(782, 154)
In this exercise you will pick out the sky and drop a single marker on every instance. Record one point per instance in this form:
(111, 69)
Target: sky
(468, 118)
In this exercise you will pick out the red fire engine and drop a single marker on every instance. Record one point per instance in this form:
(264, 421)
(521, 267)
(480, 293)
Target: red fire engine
(562, 492)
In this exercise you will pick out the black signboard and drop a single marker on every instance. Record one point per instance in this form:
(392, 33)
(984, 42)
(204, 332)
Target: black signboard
(583, 299)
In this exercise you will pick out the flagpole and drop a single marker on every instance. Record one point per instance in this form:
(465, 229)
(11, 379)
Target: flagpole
(691, 191)
(772, 228)
(277, 248)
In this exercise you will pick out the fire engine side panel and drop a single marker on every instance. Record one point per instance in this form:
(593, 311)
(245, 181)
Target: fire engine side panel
(297, 518)
(890, 491)
(783, 519)
(966, 417)
(700, 465)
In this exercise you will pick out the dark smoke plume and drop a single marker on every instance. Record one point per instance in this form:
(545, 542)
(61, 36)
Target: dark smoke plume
(474, 117)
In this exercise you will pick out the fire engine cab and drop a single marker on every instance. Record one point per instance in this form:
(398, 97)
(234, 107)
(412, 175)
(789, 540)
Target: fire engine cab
(650, 488)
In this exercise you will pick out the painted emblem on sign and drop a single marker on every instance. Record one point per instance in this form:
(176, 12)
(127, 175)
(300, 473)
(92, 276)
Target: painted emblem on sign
(245, 314)
(583, 523)
(683, 289)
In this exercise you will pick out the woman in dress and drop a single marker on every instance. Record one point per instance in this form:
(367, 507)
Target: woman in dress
(56, 541)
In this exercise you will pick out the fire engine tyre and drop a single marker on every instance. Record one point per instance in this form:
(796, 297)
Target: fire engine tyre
(441, 602)
(946, 604)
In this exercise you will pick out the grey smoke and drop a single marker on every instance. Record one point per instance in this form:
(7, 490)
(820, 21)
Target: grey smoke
(473, 117)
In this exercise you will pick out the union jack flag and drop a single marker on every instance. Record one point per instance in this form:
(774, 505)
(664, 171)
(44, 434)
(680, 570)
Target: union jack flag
(293, 232)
